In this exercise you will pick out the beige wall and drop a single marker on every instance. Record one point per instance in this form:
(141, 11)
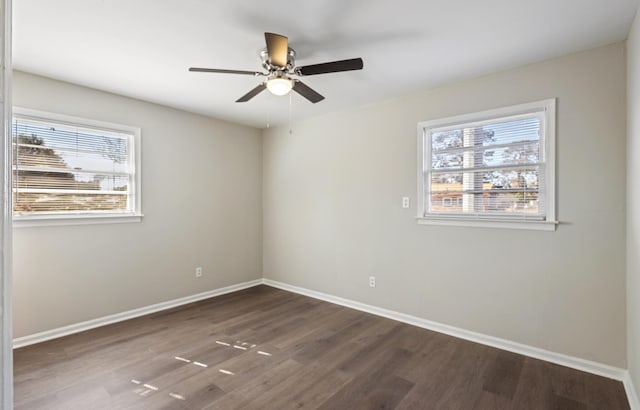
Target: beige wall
(332, 213)
(201, 197)
(633, 203)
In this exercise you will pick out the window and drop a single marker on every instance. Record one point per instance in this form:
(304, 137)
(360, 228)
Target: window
(494, 168)
(68, 169)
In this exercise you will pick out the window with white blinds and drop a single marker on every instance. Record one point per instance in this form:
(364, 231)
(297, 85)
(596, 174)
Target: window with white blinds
(66, 167)
(495, 168)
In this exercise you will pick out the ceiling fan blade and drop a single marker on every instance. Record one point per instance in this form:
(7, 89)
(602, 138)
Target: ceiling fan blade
(217, 70)
(278, 48)
(332, 67)
(307, 92)
(252, 93)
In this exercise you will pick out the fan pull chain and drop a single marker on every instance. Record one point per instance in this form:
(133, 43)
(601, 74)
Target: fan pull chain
(290, 109)
(268, 115)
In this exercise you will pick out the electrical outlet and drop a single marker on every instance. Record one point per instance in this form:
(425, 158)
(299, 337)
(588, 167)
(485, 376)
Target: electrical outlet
(198, 272)
(372, 281)
(405, 202)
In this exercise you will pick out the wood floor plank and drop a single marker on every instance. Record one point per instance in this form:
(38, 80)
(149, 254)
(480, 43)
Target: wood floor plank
(319, 384)
(603, 393)
(534, 389)
(491, 401)
(462, 377)
(258, 389)
(503, 374)
(376, 388)
(264, 348)
(567, 384)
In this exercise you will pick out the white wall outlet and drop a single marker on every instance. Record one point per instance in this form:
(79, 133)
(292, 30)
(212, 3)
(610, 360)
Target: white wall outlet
(198, 272)
(406, 202)
(372, 281)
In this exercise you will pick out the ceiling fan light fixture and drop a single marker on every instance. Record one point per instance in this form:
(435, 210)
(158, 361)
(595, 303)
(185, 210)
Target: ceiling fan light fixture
(279, 85)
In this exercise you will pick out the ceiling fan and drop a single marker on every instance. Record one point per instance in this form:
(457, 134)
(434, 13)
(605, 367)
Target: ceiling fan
(279, 61)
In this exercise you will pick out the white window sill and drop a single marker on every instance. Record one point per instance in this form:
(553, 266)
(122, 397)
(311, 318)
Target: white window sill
(490, 223)
(73, 219)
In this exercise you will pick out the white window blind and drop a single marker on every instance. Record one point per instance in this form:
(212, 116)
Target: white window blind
(64, 169)
(490, 166)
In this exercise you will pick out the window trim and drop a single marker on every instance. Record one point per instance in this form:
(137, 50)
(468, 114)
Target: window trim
(81, 218)
(549, 223)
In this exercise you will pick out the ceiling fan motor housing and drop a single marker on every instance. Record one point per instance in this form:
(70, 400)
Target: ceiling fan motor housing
(266, 61)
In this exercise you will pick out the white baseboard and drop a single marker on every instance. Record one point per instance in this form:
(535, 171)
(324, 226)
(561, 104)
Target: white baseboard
(130, 314)
(632, 394)
(530, 351)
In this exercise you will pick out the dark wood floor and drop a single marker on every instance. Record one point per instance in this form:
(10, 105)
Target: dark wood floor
(264, 348)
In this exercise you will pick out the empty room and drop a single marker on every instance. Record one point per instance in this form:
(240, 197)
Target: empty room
(324, 205)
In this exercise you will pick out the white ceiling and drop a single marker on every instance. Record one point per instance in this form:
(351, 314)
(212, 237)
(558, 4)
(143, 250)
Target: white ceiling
(143, 48)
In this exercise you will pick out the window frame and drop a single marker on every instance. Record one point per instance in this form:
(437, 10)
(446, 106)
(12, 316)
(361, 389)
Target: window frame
(547, 223)
(81, 218)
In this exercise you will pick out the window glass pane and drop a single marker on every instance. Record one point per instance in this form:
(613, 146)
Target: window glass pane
(65, 147)
(61, 168)
(500, 132)
(447, 160)
(31, 156)
(492, 191)
(503, 179)
(511, 131)
(528, 153)
(491, 203)
(515, 154)
(478, 168)
(61, 180)
(35, 203)
(444, 140)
